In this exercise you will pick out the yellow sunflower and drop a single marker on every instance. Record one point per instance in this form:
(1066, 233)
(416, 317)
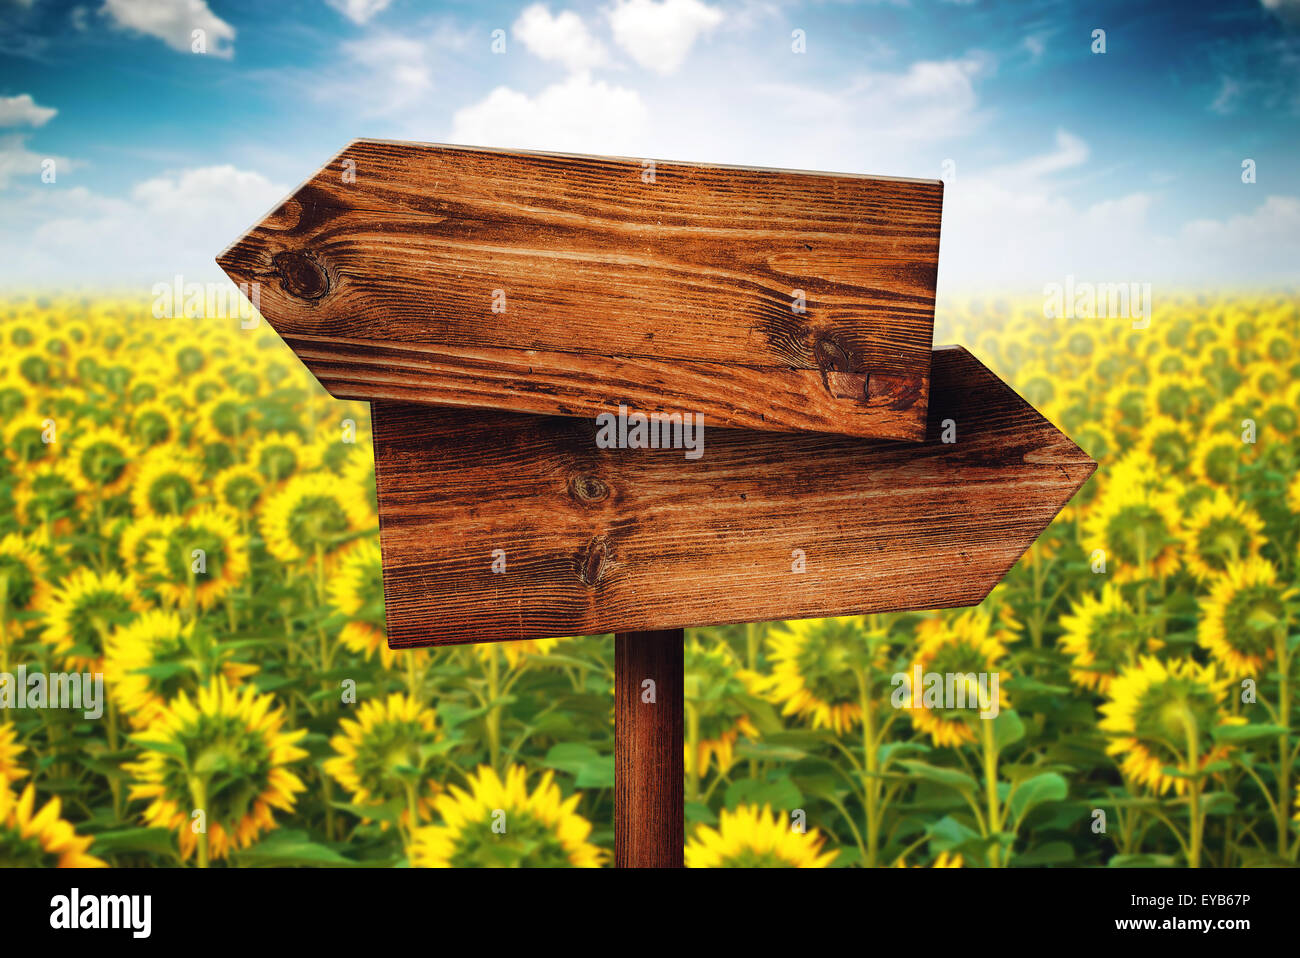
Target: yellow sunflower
(10, 768)
(23, 583)
(1138, 527)
(381, 755)
(1218, 457)
(1220, 531)
(500, 824)
(967, 646)
(49, 494)
(239, 488)
(84, 610)
(1102, 635)
(714, 688)
(202, 555)
(32, 839)
(313, 513)
(167, 483)
(1242, 615)
(137, 541)
(104, 460)
(281, 455)
(25, 439)
(154, 423)
(750, 837)
(1158, 712)
(514, 652)
(942, 860)
(815, 670)
(226, 753)
(149, 660)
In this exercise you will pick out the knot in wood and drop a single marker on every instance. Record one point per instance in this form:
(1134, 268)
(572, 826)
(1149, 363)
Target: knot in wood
(587, 489)
(592, 560)
(301, 274)
(831, 356)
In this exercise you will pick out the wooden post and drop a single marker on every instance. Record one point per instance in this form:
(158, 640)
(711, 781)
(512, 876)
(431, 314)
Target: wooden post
(649, 800)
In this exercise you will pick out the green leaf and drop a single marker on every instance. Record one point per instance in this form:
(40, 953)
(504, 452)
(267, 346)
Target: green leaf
(1052, 853)
(154, 841)
(1048, 787)
(781, 795)
(589, 768)
(1007, 728)
(1246, 733)
(948, 834)
(949, 777)
(289, 848)
(1144, 861)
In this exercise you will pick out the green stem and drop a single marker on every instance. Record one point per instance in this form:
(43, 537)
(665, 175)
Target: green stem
(494, 714)
(991, 789)
(693, 750)
(199, 792)
(1284, 719)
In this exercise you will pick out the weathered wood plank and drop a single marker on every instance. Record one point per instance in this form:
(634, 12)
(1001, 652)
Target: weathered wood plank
(601, 540)
(649, 785)
(675, 295)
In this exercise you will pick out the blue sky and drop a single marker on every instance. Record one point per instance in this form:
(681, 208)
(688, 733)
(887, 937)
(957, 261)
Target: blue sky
(1117, 166)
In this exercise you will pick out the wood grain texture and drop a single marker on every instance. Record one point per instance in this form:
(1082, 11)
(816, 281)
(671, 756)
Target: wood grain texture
(671, 296)
(649, 790)
(606, 540)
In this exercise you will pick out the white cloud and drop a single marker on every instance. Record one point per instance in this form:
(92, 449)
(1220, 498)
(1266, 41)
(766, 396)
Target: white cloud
(659, 35)
(1262, 242)
(399, 68)
(17, 161)
(562, 38)
(1286, 10)
(1012, 228)
(175, 223)
(578, 115)
(873, 124)
(174, 23)
(22, 110)
(359, 11)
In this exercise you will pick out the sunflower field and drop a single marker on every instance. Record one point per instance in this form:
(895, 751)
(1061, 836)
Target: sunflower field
(184, 511)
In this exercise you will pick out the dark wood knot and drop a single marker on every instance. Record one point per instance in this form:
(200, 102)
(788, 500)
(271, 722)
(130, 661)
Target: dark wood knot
(839, 375)
(587, 489)
(301, 274)
(592, 559)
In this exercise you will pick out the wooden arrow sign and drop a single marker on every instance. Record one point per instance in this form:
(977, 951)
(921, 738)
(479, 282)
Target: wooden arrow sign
(503, 526)
(791, 311)
(569, 285)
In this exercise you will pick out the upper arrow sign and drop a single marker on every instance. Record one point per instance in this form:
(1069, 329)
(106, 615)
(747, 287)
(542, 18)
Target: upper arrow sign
(570, 285)
(501, 526)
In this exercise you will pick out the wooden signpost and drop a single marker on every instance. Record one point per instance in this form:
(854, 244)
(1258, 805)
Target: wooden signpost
(842, 467)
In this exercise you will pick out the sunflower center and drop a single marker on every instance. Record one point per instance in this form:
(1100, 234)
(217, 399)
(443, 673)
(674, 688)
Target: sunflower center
(1138, 534)
(317, 520)
(102, 463)
(526, 843)
(1221, 541)
(1251, 619)
(171, 495)
(1164, 711)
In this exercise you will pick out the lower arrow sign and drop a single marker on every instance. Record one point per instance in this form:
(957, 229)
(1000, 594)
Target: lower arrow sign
(503, 526)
